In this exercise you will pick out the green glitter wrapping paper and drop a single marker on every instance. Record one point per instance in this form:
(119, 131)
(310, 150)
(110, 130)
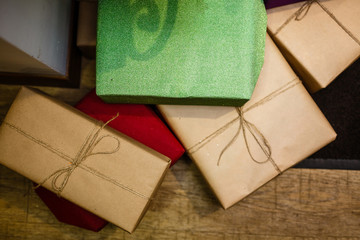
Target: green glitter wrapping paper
(206, 52)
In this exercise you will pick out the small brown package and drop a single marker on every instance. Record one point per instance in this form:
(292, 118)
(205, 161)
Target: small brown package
(80, 159)
(239, 149)
(319, 38)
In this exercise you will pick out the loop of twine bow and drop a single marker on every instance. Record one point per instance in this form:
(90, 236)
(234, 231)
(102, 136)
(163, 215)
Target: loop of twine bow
(303, 11)
(86, 151)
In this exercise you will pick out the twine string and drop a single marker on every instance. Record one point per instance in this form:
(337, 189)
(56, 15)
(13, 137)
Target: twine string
(254, 131)
(303, 11)
(71, 160)
(85, 151)
(241, 126)
(260, 139)
(246, 126)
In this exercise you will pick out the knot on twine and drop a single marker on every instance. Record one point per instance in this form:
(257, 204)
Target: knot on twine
(304, 9)
(85, 151)
(258, 137)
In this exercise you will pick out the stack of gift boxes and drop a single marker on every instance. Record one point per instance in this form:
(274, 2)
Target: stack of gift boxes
(226, 88)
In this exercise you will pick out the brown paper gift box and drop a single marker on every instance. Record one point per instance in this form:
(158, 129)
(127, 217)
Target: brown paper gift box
(319, 38)
(281, 116)
(116, 177)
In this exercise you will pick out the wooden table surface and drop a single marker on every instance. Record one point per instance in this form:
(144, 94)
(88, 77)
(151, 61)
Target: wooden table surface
(300, 203)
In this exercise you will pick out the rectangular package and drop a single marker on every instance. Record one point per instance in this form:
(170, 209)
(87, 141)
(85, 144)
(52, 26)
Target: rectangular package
(239, 149)
(137, 121)
(37, 43)
(179, 52)
(80, 158)
(319, 38)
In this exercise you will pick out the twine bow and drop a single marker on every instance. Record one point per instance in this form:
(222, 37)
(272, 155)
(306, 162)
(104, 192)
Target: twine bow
(303, 11)
(244, 125)
(256, 134)
(85, 151)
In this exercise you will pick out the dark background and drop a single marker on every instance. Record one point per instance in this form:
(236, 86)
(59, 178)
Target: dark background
(340, 103)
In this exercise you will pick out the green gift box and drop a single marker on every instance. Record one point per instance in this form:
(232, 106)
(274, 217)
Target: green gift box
(206, 52)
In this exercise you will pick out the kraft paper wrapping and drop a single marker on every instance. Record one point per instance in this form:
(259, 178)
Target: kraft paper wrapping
(116, 179)
(321, 42)
(288, 125)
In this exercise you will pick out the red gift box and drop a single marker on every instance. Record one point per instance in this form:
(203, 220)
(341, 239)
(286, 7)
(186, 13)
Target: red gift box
(136, 121)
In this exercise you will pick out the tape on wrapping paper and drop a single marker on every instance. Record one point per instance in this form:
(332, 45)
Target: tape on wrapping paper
(86, 150)
(244, 125)
(303, 11)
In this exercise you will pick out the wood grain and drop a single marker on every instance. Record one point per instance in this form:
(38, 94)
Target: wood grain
(299, 204)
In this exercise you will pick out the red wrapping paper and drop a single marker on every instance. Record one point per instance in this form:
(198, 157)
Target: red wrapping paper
(137, 121)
